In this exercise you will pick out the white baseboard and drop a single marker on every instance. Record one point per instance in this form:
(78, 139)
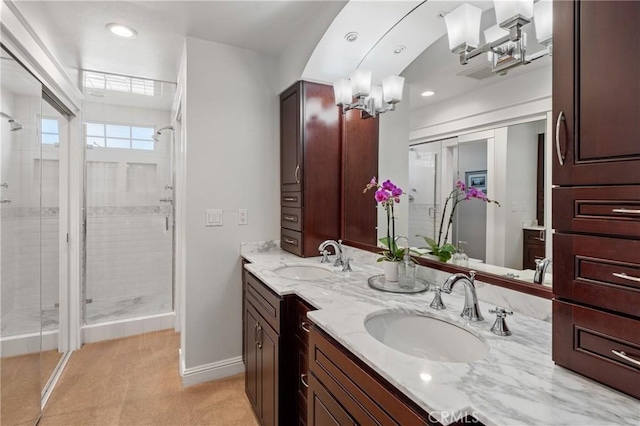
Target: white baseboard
(213, 371)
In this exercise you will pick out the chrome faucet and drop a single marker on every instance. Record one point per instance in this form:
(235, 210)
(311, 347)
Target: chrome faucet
(337, 247)
(541, 269)
(471, 310)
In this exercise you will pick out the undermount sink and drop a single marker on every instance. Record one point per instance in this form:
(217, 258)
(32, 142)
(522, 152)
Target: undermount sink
(303, 272)
(425, 337)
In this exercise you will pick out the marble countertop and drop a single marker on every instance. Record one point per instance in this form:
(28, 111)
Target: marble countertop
(517, 383)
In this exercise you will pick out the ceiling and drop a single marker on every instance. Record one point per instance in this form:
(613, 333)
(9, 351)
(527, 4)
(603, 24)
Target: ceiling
(75, 30)
(269, 27)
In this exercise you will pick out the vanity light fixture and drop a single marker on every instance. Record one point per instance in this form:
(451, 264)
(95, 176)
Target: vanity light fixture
(371, 99)
(122, 30)
(427, 93)
(506, 44)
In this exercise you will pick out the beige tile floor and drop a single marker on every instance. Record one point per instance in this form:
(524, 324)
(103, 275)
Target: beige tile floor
(135, 381)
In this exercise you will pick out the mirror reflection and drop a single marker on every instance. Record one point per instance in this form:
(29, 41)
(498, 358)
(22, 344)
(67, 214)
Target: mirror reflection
(505, 236)
(489, 130)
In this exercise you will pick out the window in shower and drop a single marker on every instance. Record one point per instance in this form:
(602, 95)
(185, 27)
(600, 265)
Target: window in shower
(103, 135)
(50, 131)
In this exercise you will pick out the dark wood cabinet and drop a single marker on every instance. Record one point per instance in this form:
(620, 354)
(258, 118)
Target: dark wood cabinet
(310, 167)
(265, 383)
(342, 390)
(598, 344)
(301, 326)
(596, 214)
(359, 165)
(533, 247)
(596, 92)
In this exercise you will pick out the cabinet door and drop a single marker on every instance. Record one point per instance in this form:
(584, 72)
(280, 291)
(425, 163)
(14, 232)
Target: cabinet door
(251, 356)
(291, 139)
(323, 409)
(268, 352)
(600, 99)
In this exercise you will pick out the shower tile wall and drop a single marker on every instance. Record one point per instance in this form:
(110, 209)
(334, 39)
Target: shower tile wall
(20, 222)
(129, 249)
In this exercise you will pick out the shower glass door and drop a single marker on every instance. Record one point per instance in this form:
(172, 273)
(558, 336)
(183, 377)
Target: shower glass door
(20, 244)
(424, 191)
(129, 208)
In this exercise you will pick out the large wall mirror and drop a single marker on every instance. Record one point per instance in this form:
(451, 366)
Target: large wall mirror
(489, 130)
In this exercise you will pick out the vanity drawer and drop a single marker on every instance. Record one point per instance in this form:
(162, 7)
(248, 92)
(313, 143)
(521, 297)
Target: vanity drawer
(365, 397)
(303, 324)
(584, 340)
(291, 241)
(609, 210)
(264, 301)
(291, 199)
(602, 272)
(291, 218)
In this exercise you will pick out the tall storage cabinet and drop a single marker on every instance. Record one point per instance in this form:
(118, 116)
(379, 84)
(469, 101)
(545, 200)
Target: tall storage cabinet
(310, 161)
(596, 204)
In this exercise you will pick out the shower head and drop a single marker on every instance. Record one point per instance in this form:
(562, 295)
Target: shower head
(12, 122)
(15, 125)
(156, 135)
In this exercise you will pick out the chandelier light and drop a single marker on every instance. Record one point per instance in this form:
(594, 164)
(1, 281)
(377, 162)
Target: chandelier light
(372, 100)
(506, 43)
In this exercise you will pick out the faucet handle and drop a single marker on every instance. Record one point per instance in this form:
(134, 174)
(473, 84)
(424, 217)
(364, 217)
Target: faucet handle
(347, 265)
(499, 327)
(437, 303)
(325, 256)
(472, 276)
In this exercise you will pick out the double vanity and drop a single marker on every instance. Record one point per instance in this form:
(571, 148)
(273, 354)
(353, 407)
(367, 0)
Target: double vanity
(348, 354)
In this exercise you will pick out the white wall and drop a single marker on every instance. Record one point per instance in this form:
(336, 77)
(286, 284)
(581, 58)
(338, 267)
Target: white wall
(232, 161)
(525, 95)
(393, 145)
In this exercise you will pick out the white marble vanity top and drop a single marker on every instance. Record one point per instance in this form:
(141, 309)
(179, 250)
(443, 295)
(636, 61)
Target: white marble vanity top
(517, 383)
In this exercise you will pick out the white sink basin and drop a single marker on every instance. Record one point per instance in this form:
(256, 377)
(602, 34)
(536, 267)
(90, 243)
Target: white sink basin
(425, 337)
(303, 272)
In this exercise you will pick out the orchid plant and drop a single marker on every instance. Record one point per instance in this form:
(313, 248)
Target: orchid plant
(441, 248)
(387, 195)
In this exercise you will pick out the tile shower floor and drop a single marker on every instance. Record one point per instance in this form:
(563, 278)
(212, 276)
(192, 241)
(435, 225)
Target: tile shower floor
(27, 320)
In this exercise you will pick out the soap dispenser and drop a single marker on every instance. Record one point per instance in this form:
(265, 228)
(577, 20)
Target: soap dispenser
(407, 271)
(460, 258)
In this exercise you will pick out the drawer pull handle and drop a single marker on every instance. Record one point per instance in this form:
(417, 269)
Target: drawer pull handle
(291, 218)
(303, 378)
(626, 277)
(305, 326)
(625, 357)
(291, 241)
(627, 211)
(255, 333)
(297, 174)
(291, 199)
(558, 150)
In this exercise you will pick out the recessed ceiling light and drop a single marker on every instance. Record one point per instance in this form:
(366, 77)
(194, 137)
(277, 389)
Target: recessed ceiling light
(122, 30)
(399, 49)
(428, 93)
(351, 37)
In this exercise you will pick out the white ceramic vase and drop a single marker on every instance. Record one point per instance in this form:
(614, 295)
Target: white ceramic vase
(390, 270)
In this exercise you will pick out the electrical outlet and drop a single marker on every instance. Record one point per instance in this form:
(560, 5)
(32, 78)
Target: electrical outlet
(243, 217)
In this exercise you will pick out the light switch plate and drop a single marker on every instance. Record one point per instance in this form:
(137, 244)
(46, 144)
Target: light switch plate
(213, 217)
(243, 217)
